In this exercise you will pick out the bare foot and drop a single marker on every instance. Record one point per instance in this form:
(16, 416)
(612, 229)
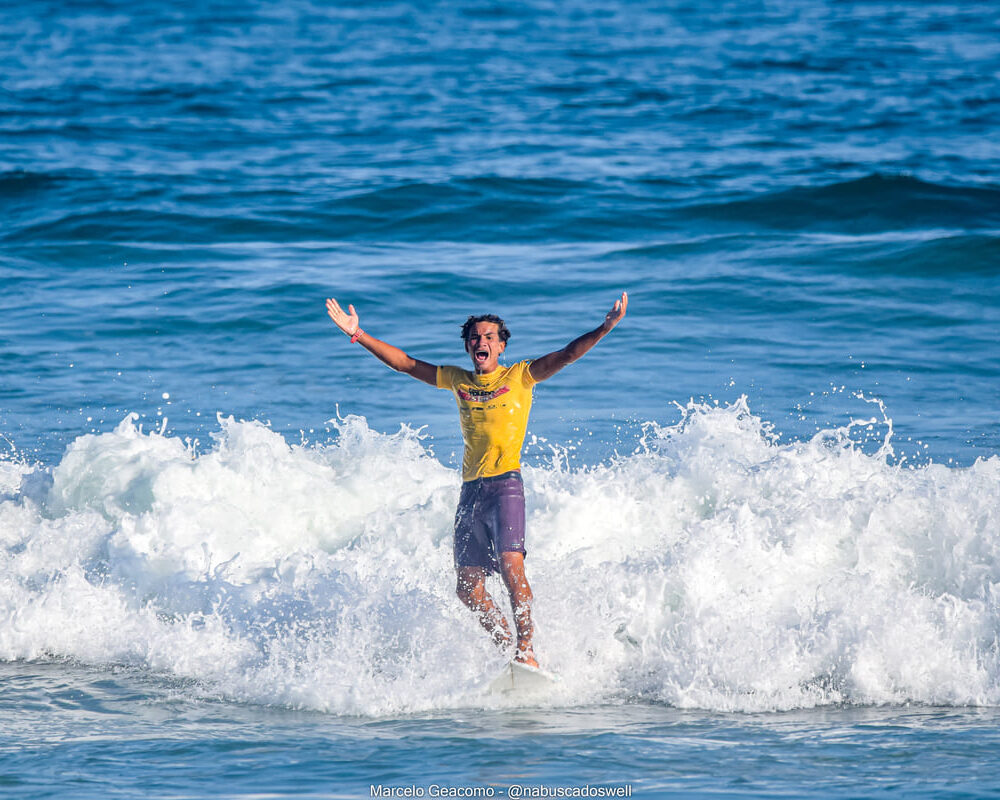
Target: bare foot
(526, 657)
(503, 640)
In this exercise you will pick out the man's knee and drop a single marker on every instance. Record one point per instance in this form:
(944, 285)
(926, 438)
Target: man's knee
(470, 586)
(512, 570)
(464, 592)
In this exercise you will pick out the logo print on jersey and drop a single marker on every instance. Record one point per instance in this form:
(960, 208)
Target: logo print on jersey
(481, 395)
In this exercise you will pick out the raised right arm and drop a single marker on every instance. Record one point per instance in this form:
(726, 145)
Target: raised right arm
(391, 356)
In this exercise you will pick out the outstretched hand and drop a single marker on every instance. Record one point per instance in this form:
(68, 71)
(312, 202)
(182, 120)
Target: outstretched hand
(614, 316)
(347, 321)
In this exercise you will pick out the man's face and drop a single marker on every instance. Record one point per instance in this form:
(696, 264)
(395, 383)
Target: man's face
(484, 346)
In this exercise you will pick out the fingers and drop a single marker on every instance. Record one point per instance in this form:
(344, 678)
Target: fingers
(348, 323)
(620, 305)
(617, 311)
(336, 312)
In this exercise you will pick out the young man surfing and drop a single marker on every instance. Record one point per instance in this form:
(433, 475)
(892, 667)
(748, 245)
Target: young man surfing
(493, 407)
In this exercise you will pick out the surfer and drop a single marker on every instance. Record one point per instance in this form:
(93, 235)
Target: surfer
(493, 406)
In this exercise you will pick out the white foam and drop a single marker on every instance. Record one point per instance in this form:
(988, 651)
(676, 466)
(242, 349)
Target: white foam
(717, 568)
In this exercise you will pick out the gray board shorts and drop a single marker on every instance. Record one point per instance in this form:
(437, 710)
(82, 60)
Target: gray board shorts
(489, 521)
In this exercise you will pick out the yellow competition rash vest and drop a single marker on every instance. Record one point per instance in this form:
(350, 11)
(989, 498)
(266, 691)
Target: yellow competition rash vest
(493, 410)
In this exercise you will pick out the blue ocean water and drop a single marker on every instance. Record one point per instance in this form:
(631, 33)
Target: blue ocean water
(763, 525)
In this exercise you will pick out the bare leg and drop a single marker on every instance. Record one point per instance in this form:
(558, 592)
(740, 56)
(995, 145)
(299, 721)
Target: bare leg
(512, 570)
(471, 590)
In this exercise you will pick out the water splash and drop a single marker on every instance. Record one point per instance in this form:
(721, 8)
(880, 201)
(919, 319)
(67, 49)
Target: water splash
(716, 567)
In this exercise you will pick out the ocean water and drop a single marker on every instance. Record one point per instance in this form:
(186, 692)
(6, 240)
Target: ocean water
(763, 513)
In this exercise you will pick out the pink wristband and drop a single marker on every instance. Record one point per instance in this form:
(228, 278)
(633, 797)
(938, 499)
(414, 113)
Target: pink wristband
(356, 335)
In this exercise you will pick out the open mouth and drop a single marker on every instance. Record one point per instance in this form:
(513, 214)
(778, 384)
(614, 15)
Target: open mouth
(482, 355)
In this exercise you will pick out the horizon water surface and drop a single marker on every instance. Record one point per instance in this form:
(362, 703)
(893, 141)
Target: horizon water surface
(762, 513)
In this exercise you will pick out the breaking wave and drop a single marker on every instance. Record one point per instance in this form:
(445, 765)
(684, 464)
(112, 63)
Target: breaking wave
(716, 567)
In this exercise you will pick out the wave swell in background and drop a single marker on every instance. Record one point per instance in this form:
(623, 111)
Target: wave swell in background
(487, 208)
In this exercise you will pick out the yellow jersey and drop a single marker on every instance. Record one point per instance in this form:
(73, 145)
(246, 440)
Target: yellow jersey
(493, 410)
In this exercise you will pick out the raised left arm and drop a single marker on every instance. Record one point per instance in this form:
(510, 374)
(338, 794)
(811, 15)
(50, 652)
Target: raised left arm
(545, 367)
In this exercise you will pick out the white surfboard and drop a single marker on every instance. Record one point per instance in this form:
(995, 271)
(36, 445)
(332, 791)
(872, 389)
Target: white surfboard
(518, 677)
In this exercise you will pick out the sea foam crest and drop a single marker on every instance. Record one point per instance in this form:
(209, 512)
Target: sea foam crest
(758, 575)
(716, 567)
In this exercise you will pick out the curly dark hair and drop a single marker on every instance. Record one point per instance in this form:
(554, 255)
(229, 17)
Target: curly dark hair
(472, 320)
